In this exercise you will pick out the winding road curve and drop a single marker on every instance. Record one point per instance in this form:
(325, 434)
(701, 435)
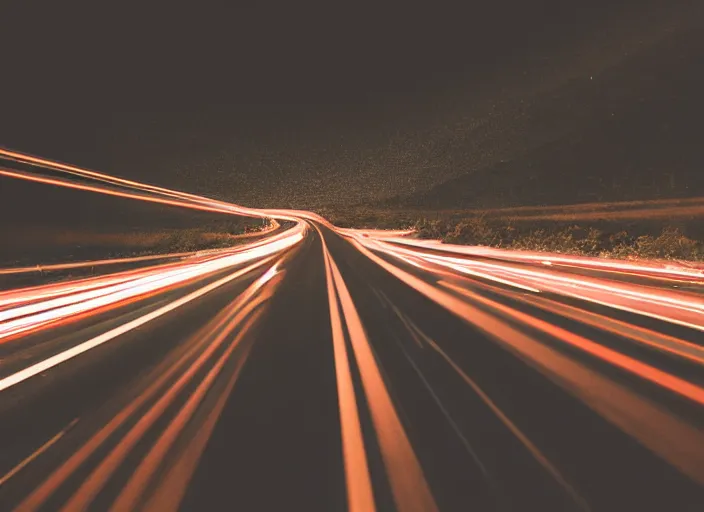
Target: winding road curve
(318, 368)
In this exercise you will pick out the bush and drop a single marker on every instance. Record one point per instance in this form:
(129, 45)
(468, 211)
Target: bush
(431, 229)
(604, 238)
(671, 243)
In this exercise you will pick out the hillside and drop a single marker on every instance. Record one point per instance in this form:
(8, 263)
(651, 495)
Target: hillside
(632, 132)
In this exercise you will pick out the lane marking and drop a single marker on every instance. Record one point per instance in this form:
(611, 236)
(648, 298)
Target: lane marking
(524, 440)
(416, 333)
(465, 442)
(19, 467)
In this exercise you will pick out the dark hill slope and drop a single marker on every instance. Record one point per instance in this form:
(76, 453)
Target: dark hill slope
(634, 131)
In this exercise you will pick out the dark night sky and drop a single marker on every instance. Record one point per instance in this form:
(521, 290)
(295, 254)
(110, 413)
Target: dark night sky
(292, 104)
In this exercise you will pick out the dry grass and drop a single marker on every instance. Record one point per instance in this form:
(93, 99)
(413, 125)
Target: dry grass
(669, 243)
(41, 245)
(187, 240)
(603, 236)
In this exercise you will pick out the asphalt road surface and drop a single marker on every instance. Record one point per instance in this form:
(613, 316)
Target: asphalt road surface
(327, 369)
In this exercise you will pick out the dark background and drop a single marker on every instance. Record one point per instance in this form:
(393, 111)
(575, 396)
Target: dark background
(316, 104)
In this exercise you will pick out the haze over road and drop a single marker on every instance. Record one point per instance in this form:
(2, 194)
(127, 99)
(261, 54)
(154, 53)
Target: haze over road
(318, 368)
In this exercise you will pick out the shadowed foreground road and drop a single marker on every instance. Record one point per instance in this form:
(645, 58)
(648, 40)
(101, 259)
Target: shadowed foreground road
(328, 369)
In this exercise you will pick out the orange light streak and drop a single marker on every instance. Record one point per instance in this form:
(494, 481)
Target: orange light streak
(642, 370)
(360, 497)
(670, 438)
(206, 342)
(408, 484)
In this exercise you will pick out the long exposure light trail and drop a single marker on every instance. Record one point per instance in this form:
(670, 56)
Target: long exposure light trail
(601, 392)
(677, 307)
(670, 270)
(43, 313)
(413, 353)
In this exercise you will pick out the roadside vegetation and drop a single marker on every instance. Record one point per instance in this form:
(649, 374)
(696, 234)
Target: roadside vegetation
(669, 243)
(634, 239)
(40, 246)
(188, 240)
(210, 236)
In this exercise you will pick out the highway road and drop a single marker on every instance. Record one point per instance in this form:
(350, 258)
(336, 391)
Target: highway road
(318, 368)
